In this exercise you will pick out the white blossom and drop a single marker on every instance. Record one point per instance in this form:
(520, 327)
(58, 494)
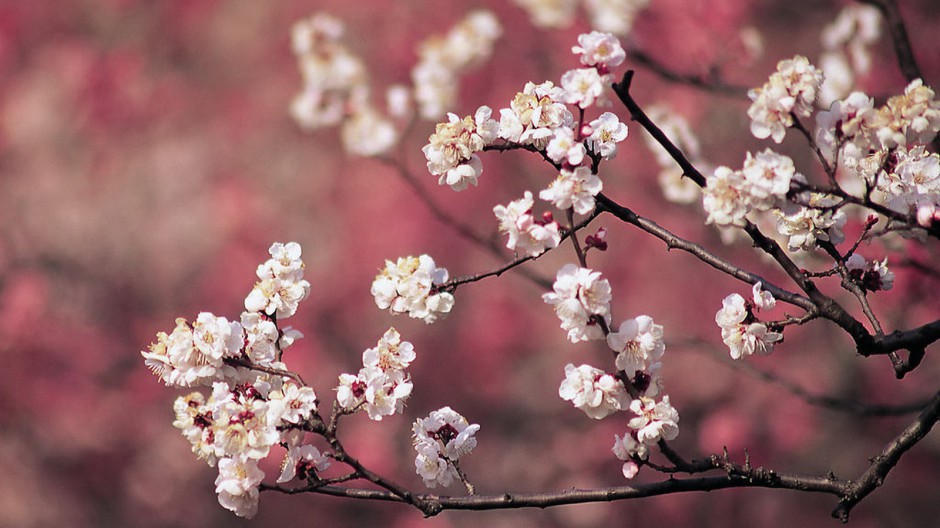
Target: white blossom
(527, 234)
(575, 188)
(281, 286)
(763, 299)
(599, 49)
(606, 132)
(638, 343)
(910, 118)
(237, 486)
(746, 339)
(723, 197)
(549, 13)
(451, 150)
(367, 133)
(440, 440)
(767, 177)
(579, 295)
(443, 58)
(654, 421)
(791, 90)
(564, 149)
(594, 391)
(534, 114)
(804, 226)
(302, 461)
(297, 402)
(408, 286)
(733, 311)
(390, 353)
(614, 16)
(872, 276)
(584, 86)
(626, 449)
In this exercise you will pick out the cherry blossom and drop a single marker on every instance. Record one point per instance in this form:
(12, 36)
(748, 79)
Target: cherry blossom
(638, 343)
(574, 188)
(237, 486)
(592, 390)
(408, 286)
(440, 440)
(599, 49)
(606, 132)
(527, 234)
(579, 295)
(302, 462)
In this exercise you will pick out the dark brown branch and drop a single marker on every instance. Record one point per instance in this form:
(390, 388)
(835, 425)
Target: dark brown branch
(888, 458)
(622, 89)
(438, 503)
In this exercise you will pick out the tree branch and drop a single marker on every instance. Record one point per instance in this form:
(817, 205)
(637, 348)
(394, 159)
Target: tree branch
(674, 242)
(888, 458)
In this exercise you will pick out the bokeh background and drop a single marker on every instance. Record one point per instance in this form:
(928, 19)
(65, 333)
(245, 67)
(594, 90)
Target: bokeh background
(147, 161)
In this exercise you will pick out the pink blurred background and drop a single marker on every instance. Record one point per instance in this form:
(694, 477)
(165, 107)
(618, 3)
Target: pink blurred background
(147, 161)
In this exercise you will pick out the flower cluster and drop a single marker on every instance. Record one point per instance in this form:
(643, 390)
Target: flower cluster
(410, 285)
(451, 149)
(870, 275)
(381, 386)
(237, 427)
(251, 407)
(336, 88)
(538, 118)
(527, 234)
(790, 91)
(761, 185)
(740, 330)
(614, 16)
(594, 391)
(281, 285)
(581, 300)
(653, 421)
(210, 349)
(444, 58)
(639, 347)
(805, 225)
(883, 151)
(441, 440)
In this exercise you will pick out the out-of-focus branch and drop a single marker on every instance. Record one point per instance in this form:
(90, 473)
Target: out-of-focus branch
(882, 464)
(902, 44)
(709, 83)
(817, 400)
